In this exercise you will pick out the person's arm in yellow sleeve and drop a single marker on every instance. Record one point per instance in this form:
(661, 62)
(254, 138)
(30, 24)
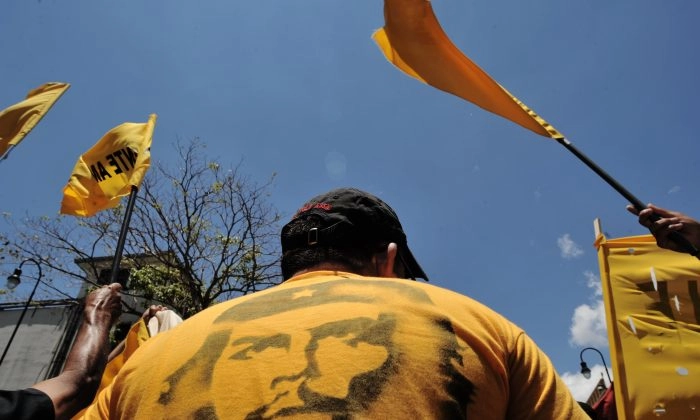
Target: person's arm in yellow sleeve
(536, 390)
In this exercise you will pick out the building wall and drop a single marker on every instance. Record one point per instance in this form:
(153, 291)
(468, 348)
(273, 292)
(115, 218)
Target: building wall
(597, 392)
(35, 351)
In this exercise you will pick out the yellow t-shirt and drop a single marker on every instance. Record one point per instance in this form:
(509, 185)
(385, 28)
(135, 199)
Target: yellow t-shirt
(338, 345)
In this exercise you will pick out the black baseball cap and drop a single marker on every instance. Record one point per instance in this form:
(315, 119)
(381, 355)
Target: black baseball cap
(351, 217)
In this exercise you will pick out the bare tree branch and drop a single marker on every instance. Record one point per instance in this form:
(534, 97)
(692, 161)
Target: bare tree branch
(211, 230)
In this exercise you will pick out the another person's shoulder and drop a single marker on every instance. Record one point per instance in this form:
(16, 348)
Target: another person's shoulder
(196, 326)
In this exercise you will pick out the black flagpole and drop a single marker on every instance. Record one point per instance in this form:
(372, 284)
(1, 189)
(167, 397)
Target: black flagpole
(122, 235)
(675, 236)
(7, 152)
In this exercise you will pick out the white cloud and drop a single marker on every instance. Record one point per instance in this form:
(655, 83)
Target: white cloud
(588, 329)
(580, 387)
(569, 249)
(593, 282)
(674, 189)
(588, 325)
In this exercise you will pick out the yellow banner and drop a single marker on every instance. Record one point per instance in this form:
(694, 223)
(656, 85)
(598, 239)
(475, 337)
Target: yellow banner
(106, 172)
(413, 41)
(652, 305)
(20, 118)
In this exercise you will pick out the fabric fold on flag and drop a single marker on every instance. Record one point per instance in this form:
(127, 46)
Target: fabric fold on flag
(106, 172)
(413, 40)
(19, 119)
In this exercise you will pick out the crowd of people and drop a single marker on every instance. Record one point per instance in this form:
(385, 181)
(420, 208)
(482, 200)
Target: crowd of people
(345, 335)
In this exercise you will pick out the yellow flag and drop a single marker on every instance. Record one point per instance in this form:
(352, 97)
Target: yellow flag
(652, 304)
(20, 118)
(413, 41)
(106, 172)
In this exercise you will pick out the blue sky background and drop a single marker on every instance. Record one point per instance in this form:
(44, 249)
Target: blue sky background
(299, 88)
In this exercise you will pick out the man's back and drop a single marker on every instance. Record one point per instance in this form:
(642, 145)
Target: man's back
(339, 345)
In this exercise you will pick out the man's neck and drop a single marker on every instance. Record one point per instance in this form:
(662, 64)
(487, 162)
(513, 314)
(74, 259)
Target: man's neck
(328, 266)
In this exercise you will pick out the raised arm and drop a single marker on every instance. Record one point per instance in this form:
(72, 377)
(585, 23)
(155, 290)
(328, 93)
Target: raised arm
(668, 221)
(75, 387)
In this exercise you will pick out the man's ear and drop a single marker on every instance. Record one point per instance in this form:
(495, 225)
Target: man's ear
(386, 267)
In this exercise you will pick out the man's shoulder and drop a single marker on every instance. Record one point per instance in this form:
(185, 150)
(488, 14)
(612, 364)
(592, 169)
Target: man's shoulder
(315, 289)
(395, 288)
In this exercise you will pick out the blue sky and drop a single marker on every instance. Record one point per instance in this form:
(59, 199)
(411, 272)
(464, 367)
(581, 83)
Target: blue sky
(299, 88)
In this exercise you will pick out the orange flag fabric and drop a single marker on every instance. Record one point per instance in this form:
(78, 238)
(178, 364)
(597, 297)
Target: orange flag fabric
(19, 119)
(413, 41)
(106, 172)
(652, 310)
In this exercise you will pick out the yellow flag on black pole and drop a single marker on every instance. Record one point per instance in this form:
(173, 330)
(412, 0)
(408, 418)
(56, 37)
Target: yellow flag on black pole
(106, 172)
(19, 119)
(413, 41)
